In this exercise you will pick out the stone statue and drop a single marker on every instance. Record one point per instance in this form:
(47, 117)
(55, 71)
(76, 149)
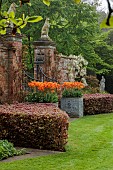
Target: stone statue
(83, 80)
(12, 8)
(102, 84)
(45, 30)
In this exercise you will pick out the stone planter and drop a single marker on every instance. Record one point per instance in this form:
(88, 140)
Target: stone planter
(72, 106)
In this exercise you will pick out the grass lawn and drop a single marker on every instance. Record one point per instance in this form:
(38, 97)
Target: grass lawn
(90, 147)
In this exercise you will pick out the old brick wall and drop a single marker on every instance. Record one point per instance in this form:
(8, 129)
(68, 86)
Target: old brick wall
(3, 73)
(57, 66)
(10, 68)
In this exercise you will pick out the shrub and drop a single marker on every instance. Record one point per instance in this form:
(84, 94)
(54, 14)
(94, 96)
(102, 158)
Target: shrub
(71, 93)
(93, 85)
(7, 150)
(92, 81)
(97, 103)
(40, 97)
(90, 90)
(42, 126)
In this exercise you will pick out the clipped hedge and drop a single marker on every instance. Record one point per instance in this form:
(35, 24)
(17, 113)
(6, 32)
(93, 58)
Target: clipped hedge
(41, 126)
(98, 103)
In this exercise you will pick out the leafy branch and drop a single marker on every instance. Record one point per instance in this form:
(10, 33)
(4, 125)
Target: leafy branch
(8, 19)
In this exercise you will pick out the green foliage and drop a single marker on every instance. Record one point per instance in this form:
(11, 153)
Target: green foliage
(22, 2)
(7, 17)
(90, 90)
(34, 97)
(41, 97)
(7, 150)
(34, 19)
(50, 97)
(71, 93)
(28, 55)
(19, 23)
(47, 2)
(93, 85)
(42, 126)
(92, 81)
(77, 1)
(75, 30)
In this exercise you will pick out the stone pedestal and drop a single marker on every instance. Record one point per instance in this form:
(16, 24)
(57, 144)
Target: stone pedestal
(73, 106)
(10, 68)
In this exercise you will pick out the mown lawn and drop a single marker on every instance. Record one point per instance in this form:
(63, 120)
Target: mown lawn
(90, 147)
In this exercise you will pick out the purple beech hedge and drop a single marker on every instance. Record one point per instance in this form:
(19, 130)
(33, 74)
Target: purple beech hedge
(98, 103)
(42, 126)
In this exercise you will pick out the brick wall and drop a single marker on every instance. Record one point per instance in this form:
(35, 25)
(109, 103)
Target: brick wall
(10, 68)
(45, 50)
(57, 66)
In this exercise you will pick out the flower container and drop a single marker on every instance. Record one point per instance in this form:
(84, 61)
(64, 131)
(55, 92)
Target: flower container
(72, 106)
(72, 100)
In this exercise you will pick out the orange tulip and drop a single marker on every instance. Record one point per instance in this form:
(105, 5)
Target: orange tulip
(77, 85)
(44, 85)
(52, 86)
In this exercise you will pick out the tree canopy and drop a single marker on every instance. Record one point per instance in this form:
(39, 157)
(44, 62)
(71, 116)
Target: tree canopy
(75, 30)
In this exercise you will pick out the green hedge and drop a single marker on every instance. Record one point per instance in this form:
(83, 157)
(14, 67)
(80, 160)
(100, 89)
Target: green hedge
(98, 103)
(42, 126)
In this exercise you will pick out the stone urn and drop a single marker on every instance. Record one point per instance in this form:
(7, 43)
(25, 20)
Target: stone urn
(72, 106)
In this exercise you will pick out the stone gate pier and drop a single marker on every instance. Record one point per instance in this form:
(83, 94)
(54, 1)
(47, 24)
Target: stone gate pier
(44, 60)
(10, 68)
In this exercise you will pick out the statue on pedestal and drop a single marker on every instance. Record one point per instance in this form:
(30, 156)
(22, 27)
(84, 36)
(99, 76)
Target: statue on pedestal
(45, 30)
(102, 84)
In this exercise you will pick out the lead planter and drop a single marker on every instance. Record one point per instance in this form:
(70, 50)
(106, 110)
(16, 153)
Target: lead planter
(73, 106)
